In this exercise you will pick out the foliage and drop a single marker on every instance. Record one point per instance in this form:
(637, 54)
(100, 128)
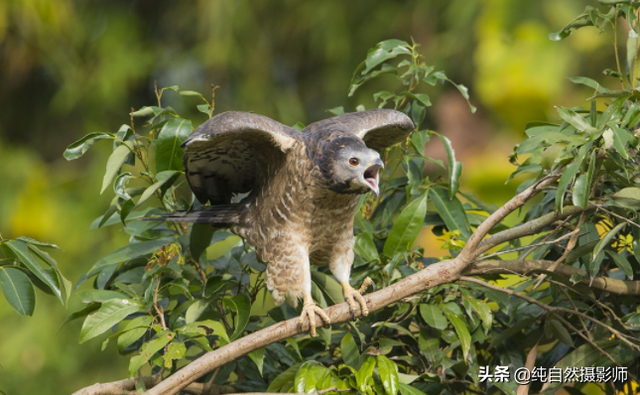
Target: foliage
(163, 297)
(21, 271)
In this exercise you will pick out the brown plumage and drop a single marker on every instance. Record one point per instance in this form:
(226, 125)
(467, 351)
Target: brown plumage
(302, 191)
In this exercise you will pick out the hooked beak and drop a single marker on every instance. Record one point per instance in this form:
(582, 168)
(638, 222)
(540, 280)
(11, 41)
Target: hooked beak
(371, 175)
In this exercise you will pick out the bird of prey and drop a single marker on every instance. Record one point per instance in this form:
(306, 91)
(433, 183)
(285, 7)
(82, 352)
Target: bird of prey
(302, 190)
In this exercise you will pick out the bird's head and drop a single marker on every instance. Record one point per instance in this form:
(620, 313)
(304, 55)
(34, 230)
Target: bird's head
(356, 169)
(349, 166)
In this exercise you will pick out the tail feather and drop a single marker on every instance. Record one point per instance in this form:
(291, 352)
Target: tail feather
(225, 214)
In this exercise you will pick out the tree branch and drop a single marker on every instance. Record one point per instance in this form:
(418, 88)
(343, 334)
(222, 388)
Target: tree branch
(523, 267)
(528, 228)
(469, 252)
(128, 387)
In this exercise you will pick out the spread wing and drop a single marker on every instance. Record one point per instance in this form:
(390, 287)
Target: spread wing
(378, 128)
(234, 153)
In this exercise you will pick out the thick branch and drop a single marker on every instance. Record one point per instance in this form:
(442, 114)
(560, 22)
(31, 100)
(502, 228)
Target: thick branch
(528, 228)
(523, 267)
(120, 387)
(128, 387)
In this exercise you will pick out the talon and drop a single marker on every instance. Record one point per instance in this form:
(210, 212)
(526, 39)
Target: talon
(309, 311)
(365, 284)
(352, 296)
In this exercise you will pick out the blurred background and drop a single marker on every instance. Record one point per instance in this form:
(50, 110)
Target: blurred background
(70, 67)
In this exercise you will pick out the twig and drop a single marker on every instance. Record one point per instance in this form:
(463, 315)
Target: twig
(470, 250)
(526, 229)
(524, 267)
(544, 242)
(570, 245)
(587, 339)
(553, 309)
(627, 220)
(159, 310)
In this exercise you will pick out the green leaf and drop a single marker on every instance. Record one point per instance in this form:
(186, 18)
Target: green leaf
(120, 185)
(128, 252)
(585, 355)
(628, 198)
(606, 240)
(147, 111)
(257, 356)
(464, 91)
(165, 180)
(483, 310)
(283, 378)
(463, 333)
(35, 242)
(349, 351)
(200, 239)
(175, 350)
(433, 316)
(591, 83)
(384, 51)
(133, 331)
(110, 313)
(329, 286)
(148, 351)
(366, 248)
(168, 152)
(576, 120)
(48, 277)
(568, 174)
(98, 295)
(388, 375)
(419, 139)
(241, 305)
(406, 227)
(205, 109)
(454, 167)
(620, 139)
(336, 110)
(581, 21)
(196, 94)
(115, 162)
(451, 211)
(560, 332)
(309, 377)
(622, 263)
(406, 389)
(18, 290)
(581, 191)
(77, 149)
(364, 376)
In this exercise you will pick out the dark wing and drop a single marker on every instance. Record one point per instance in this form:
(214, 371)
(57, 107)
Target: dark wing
(379, 128)
(234, 153)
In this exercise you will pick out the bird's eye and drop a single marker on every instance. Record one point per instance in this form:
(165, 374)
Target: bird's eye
(354, 161)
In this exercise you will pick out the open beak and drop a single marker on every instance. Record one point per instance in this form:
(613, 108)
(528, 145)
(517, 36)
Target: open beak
(371, 175)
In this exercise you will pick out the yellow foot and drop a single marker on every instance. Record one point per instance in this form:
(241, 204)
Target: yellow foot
(352, 296)
(309, 311)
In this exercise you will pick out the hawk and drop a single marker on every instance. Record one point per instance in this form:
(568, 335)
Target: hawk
(302, 190)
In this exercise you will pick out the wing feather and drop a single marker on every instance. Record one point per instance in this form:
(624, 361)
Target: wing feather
(234, 153)
(378, 128)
